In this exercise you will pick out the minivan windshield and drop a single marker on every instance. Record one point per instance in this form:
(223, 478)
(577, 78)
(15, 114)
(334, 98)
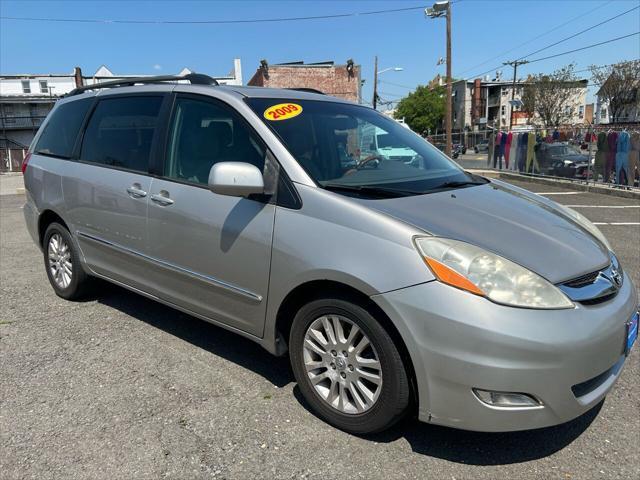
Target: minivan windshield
(355, 150)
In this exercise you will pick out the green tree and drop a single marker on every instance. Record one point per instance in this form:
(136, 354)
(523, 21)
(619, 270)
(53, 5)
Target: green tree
(423, 109)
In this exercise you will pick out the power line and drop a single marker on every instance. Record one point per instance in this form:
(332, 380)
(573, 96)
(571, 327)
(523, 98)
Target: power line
(580, 32)
(536, 37)
(608, 65)
(397, 84)
(560, 41)
(213, 22)
(584, 48)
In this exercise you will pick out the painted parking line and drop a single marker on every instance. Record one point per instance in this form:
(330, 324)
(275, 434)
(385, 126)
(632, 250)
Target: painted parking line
(617, 223)
(603, 206)
(558, 193)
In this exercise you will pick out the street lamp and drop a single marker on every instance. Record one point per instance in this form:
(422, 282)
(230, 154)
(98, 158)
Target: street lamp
(443, 9)
(395, 69)
(375, 79)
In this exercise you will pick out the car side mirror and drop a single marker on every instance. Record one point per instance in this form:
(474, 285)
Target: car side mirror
(236, 179)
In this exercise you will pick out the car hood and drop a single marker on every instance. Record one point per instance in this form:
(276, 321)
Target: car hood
(523, 227)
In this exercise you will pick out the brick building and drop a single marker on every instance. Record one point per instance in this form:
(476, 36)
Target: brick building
(338, 80)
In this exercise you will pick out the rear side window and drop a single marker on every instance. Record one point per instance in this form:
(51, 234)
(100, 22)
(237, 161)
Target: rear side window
(61, 131)
(120, 132)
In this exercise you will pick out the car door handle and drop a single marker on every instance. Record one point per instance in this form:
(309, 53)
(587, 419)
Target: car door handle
(136, 191)
(162, 198)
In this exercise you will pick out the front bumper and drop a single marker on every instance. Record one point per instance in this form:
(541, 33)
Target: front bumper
(458, 341)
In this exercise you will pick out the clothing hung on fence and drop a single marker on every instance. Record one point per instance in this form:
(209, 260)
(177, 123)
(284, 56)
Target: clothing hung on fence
(531, 162)
(622, 158)
(612, 142)
(634, 157)
(501, 140)
(491, 146)
(601, 155)
(497, 154)
(513, 152)
(522, 152)
(507, 150)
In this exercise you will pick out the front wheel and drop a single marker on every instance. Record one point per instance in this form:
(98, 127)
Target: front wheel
(347, 366)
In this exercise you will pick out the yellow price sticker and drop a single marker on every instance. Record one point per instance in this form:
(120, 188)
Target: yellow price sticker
(282, 111)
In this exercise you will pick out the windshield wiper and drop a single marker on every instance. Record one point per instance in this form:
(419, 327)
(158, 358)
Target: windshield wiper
(461, 183)
(371, 190)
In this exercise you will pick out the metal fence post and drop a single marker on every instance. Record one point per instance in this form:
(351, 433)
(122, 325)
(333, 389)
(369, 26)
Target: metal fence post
(10, 161)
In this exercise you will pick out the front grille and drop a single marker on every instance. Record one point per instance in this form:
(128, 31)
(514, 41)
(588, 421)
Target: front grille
(584, 280)
(595, 287)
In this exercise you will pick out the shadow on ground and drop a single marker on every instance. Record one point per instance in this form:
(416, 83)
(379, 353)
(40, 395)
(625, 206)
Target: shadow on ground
(471, 448)
(206, 336)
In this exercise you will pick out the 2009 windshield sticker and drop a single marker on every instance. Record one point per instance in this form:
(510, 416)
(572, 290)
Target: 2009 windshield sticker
(282, 111)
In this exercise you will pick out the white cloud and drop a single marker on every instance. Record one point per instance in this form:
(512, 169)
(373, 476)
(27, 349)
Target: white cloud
(157, 67)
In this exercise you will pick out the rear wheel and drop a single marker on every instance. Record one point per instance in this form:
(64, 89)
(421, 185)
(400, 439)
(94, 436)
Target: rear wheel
(62, 263)
(348, 367)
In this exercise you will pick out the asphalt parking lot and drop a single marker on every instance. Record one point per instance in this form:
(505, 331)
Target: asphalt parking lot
(118, 386)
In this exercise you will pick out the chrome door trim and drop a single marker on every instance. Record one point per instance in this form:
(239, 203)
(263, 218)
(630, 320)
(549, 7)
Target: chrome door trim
(169, 266)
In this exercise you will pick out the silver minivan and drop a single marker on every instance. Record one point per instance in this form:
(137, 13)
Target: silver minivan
(396, 284)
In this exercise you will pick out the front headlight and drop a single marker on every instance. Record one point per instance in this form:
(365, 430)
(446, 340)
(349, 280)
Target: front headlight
(475, 270)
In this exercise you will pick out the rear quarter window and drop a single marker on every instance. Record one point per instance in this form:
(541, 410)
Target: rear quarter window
(60, 132)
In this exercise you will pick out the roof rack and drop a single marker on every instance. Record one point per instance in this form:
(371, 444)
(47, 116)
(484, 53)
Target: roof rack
(308, 90)
(194, 78)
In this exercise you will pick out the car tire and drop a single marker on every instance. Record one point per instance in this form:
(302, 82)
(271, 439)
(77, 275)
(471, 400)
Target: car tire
(476, 150)
(62, 263)
(386, 402)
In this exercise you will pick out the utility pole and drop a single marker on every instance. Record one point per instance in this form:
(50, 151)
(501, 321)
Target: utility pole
(440, 9)
(514, 64)
(448, 115)
(375, 83)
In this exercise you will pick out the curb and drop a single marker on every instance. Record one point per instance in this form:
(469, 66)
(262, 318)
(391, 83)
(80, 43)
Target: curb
(601, 189)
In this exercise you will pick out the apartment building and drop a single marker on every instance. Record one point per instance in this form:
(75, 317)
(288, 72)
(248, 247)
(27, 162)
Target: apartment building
(484, 103)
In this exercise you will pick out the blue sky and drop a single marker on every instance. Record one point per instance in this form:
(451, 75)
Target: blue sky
(482, 29)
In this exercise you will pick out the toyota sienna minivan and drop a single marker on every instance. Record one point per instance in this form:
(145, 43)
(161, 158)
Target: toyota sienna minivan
(395, 284)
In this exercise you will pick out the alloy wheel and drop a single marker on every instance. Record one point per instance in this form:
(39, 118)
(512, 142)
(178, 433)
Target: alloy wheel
(59, 257)
(342, 364)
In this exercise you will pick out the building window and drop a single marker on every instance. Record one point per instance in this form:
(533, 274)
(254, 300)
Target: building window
(503, 110)
(603, 113)
(26, 86)
(581, 111)
(43, 86)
